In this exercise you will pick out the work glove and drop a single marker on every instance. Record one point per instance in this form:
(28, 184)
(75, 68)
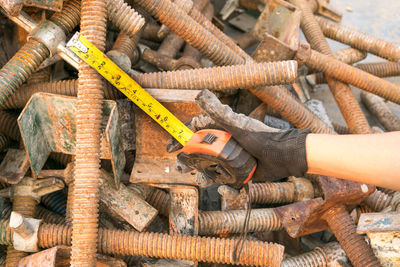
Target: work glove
(279, 154)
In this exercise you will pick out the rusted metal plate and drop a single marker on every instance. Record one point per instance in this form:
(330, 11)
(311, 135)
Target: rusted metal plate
(56, 256)
(153, 163)
(278, 30)
(126, 204)
(54, 5)
(47, 124)
(383, 231)
(14, 166)
(307, 217)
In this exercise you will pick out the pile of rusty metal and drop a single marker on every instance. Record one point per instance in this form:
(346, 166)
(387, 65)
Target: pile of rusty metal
(86, 179)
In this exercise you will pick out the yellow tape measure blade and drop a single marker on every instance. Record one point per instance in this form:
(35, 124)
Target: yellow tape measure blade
(123, 82)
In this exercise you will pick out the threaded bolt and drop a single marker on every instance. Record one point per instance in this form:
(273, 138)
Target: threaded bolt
(229, 222)
(381, 111)
(378, 200)
(381, 69)
(160, 200)
(40, 76)
(206, 249)
(85, 198)
(222, 78)
(33, 53)
(48, 216)
(344, 98)
(359, 40)
(342, 225)
(349, 55)
(4, 142)
(340, 129)
(354, 76)
(263, 193)
(124, 17)
(67, 87)
(315, 258)
(20, 67)
(178, 21)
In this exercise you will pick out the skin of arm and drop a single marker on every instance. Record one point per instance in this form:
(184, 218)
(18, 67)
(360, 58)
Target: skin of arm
(372, 158)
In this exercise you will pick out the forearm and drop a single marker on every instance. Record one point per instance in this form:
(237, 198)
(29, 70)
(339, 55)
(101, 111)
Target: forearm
(372, 159)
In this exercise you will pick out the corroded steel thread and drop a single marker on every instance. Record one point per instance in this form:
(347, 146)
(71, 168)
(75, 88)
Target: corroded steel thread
(342, 225)
(33, 53)
(5, 232)
(20, 67)
(178, 21)
(381, 69)
(378, 69)
(55, 201)
(277, 97)
(255, 253)
(263, 193)
(378, 200)
(354, 76)
(124, 17)
(315, 258)
(160, 200)
(344, 98)
(26, 205)
(48, 216)
(9, 126)
(229, 222)
(170, 45)
(67, 87)
(221, 78)
(381, 111)
(349, 55)
(40, 76)
(14, 256)
(69, 16)
(87, 173)
(359, 40)
(126, 44)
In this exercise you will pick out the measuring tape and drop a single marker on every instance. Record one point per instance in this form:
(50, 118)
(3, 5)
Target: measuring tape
(123, 82)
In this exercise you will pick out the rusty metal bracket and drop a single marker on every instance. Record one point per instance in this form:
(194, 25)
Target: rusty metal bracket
(153, 164)
(325, 9)
(281, 21)
(47, 124)
(14, 166)
(307, 217)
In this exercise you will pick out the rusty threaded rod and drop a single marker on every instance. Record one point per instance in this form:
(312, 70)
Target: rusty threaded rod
(342, 225)
(229, 222)
(182, 247)
(124, 17)
(378, 69)
(381, 111)
(314, 258)
(277, 97)
(66, 87)
(9, 126)
(381, 69)
(327, 255)
(378, 200)
(270, 193)
(359, 40)
(354, 76)
(222, 78)
(85, 201)
(342, 93)
(160, 200)
(33, 53)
